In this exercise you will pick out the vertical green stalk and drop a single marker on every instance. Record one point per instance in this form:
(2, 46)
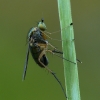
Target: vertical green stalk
(68, 47)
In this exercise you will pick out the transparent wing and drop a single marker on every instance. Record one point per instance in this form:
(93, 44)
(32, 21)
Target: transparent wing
(26, 63)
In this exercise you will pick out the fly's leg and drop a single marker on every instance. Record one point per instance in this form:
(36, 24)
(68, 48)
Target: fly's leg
(60, 56)
(46, 35)
(54, 51)
(55, 38)
(41, 55)
(56, 77)
(60, 30)
(57, 32)
(52, 46)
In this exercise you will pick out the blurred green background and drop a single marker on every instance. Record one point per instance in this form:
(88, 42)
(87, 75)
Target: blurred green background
(16, 18)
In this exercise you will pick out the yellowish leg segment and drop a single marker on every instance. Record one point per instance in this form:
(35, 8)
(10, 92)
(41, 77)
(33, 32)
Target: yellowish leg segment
(41, 55)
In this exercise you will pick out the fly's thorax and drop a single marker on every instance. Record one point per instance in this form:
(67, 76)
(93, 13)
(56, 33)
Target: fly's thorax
(32, 31)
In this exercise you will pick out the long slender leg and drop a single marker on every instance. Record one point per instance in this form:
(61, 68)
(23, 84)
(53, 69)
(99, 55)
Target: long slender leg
(56, 77)
(60, 56)
(60, 84)
(50, 37)
(53, 52)
(56, 32)
(55, 49)
(59, 30)
(41, 55)
(52, 46)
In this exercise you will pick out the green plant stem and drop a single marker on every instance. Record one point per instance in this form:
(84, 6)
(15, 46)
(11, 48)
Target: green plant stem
(68, 47)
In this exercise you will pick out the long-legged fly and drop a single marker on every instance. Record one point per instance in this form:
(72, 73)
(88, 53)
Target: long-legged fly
(38, 46)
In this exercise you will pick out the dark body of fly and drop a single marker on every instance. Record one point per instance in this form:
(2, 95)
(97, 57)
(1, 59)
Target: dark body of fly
(35, 51)
(36, 37)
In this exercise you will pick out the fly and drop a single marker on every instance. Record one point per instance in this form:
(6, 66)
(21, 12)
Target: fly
(38, 46)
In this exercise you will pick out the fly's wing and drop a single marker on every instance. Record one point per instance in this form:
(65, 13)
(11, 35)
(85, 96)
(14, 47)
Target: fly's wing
(30, 32)
(26, 63)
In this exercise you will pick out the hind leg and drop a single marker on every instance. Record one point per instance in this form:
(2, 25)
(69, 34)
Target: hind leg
(41, 55)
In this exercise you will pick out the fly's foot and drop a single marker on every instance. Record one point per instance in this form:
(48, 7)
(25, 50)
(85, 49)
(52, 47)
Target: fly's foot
(53, 73)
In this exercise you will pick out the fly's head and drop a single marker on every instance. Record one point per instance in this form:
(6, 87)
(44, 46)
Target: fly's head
(41, 25)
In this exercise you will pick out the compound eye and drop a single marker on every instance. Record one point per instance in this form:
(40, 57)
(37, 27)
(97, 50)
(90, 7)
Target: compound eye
(42, 20)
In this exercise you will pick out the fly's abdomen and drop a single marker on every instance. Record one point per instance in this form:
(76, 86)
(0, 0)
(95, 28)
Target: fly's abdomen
(35, 52)
(44, 60)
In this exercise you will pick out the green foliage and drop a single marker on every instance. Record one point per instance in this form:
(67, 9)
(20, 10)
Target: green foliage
(67, 34)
